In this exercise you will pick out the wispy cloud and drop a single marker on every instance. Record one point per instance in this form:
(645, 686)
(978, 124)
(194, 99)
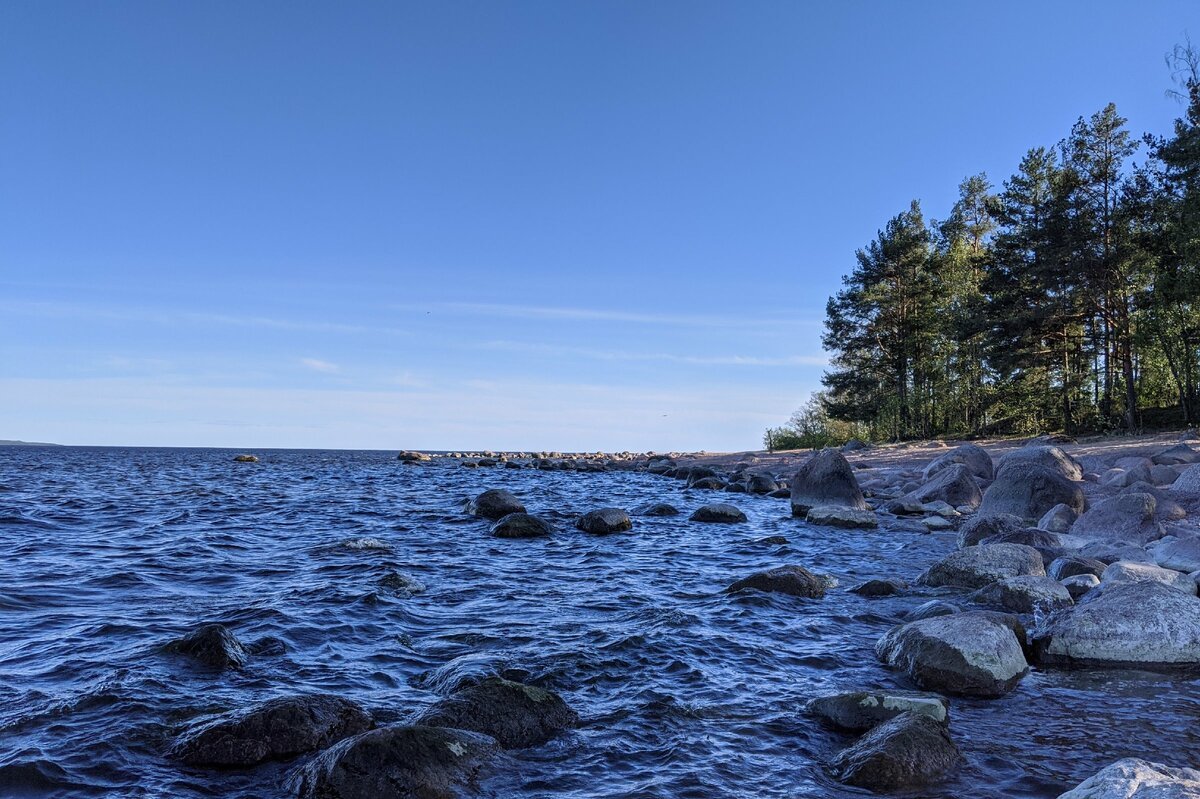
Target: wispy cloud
(575, 314)
(317, 365)
(622, 355)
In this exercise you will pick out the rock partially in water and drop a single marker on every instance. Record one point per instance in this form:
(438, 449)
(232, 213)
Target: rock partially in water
(972, 456)
(212, 645)
(909, 751)
(521, 525)
(246, 459)
(719, 513)
(1028, 490)
(793, 580)
(1123, 572)
(402, 584)
(1144, 624)
(495, 503)
(516, 715)
(656, 509)
(1127, 518)
(1133, 778)
(276, 730)
(931, 609)
(1025, 594)
(760, 483)
(884, 587)
(849, 518)
(970, 654)
(861, 710)
(825, 479)
(412, 456)
(399, 762)
(604, 521)
(709, 484)
(978, 528)
(978, 566)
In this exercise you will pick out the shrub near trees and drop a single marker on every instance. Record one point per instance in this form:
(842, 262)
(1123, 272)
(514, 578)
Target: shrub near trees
(1066, 299)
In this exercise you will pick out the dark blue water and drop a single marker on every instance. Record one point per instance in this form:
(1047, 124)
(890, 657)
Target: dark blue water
(685, 691)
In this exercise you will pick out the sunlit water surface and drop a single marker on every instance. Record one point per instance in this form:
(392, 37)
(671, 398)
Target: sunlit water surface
(685, 691)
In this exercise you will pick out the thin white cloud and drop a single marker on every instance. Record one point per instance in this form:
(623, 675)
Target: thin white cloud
(605, 315)
(620, 355)
(317, 365)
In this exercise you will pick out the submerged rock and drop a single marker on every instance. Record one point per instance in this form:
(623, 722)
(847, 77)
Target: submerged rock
(861, 710)
(495, 503)
(971, 654)
(212, 645)
(885, 587)
(521, 525)
(1133, 778)
(978, 566)
(718, 512)
(826, 479)
(604, 521)
(1145, 624)
(656, 509)
(516, 715)
(399, 762)
(908, 751)
(275, 730)
(793, 580)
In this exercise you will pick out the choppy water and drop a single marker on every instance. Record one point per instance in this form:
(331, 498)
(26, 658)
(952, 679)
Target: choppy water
(685, 691)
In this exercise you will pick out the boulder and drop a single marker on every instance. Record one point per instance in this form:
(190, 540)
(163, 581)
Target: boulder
(1025, 594)
(1180, 554)
(1133, 778)
(1163, 475)
(1123, 572)
(1141, 625)
(1029, 490)
(1071, 565)
(1049, 545)
(1188, 482)
(859, 711)
(246, 459)
(1058, 519)
(656, 509)
(1078, 585)
(970, 654)
(604, 521)
(978, 528)
(516, 715)
(885, 587)
(709, 484)
(909, 751)
(495, 503)
(825, 479)
(1125, 517)
(1176, 456)
(399, 762)
(719, 513)
(411, 456)
(761, 484)
(974, 457)
(930, 609)
(977, 566)
(1113, 551)
(954, 485)
(1041, 455)
(276, 730)
(521, 525)
(212, 645)
(834, 516)
(792, 580)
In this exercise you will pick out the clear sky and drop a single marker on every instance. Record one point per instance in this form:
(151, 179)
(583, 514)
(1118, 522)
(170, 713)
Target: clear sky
(567, 225)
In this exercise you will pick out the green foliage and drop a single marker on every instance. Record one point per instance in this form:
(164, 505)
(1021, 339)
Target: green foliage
(812, 427)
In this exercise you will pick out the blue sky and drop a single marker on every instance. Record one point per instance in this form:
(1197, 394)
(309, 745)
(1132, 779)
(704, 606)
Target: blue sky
(568, 225)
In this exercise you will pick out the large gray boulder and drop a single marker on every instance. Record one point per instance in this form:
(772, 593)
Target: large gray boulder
(1123, 572)
(954, 485)
(825, 479)
(275, 730)
(516, 715)
(399, 762)
(1133, 778)
(1049, 456)
(908, 751)
(1188, 482)
(1141, 625)
(1025, 594)
(1029, 490)
(859, 711)
(792, 580)
(495, 503)
(1127, 518)
(1050, 545)
(1180, 554)
(1058, 519)
(978, 566)
(978, 528)
(972, 456)
(1177, 455)
(970, 654)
